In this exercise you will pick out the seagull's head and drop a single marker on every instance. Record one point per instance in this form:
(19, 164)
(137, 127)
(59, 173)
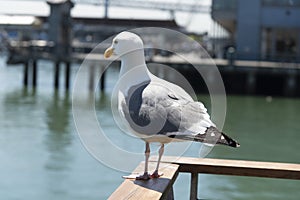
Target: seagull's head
(124, 43)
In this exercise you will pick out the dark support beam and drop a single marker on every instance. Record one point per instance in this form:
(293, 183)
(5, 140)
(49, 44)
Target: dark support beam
(56, 75)
(67, 79)
(34, 73)
(26, 69)
(194, 186)
(290, 83)
(102, 86)
(92, 78)
(251, 83)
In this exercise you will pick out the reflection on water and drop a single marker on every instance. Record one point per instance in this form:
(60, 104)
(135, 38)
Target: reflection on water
(42, 157)
(57, 142)
(59, 138)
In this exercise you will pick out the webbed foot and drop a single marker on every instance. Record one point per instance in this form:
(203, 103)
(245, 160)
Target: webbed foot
(145, 176)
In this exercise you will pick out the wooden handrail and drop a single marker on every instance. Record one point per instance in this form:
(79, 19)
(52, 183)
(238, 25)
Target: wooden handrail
(161, 188)
(236, 167)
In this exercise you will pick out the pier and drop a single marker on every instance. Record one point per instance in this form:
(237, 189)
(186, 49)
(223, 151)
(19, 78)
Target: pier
(239, 77)
(162, 188)
(70, 40)
(245, 77)
(64, 39)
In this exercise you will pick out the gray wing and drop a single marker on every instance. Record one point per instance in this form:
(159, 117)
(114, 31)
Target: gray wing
(152, 108)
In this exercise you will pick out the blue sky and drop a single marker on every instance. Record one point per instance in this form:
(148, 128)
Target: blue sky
(194, 22)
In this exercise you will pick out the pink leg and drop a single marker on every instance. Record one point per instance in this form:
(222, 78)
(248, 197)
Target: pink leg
(160, 153)
(145, 176)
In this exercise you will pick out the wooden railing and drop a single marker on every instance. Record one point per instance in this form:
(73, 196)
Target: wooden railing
(162, 188)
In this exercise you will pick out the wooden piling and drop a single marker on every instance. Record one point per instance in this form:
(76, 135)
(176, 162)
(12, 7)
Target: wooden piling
(103, 72)
(251, 83)
(26, 69)
(56, 75)
(92, 77)
(290, 83)
(34, 73)
(67, 75)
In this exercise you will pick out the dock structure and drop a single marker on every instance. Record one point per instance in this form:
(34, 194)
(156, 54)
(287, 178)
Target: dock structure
(62, 39)
(244, 77)
(162, 188)
(56, 48)
(239, 77)
(70, 40)
(59, 33)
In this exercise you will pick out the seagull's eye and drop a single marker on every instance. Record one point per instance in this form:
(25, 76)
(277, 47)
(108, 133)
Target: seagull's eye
(116, 42)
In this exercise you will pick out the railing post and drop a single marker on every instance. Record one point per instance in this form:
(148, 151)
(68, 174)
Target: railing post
(194, 186)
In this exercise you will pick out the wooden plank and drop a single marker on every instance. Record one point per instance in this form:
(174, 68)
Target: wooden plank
(236, 167)
(151, 189)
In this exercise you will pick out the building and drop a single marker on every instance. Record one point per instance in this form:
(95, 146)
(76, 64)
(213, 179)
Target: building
(261, 29)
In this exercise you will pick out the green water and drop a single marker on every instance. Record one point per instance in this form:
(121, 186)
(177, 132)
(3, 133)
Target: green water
(41, 156)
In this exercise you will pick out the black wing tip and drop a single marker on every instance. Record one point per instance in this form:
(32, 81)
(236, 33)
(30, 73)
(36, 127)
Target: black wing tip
(222, 138)
(234, 144)
(229, 141)
(211, 136)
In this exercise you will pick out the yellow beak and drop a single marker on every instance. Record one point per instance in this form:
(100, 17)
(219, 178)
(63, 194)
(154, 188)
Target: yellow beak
(108, 52)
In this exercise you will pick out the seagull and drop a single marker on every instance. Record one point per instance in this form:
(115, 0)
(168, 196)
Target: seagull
(156, 110)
